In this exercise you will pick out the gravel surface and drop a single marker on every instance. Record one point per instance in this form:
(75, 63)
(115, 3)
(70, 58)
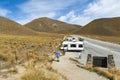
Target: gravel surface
(72, 72)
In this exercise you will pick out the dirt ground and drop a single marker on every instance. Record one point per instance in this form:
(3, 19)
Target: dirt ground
(72, 72)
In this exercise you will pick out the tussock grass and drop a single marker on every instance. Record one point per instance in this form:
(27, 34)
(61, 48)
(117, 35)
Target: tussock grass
(74, 60)
(41, 74)
(49, 67)
(118, 77)
(32, 52)
(104, 73)
(112, 39)
(112, 73)
(34, 75)
(13, 70)
(18, 49)
(115, 72)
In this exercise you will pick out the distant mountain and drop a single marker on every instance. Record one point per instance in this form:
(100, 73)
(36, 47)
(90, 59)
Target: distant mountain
(103, 27)
(8, 26)
(52, 26)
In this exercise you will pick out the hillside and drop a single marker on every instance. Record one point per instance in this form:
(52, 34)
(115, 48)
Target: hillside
(10, 27)
(52, 26)
(103, 27)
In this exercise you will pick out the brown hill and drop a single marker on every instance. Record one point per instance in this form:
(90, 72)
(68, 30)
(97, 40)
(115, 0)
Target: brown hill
(103, 27)
(52, 26)
(10, 27)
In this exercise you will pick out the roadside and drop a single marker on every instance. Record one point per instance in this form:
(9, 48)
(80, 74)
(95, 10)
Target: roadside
(111, 39)
(72, 72)
(13, 73)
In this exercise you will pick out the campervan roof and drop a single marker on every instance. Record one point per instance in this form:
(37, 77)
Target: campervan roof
(72, 39)
(70, 42)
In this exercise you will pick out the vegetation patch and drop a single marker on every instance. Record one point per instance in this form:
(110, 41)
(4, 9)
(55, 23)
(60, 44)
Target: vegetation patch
(33, 52)
(112, 73)
(112, 39)
(74, 60)
(13, 70)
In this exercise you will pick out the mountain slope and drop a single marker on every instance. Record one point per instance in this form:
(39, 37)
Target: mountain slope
(52, 26)
(104, 27)
(10, 27)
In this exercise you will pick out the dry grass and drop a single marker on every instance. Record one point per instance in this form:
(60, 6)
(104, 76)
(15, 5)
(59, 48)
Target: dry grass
(32, 52)
(112, 39)
(74, 60)
(112, 73)
(42, 71)
(34, 75)
(49, 67)
(102, 27)
(118, 77)
(115, 72)
(17, 49)
(13, 70)
(51, 26)
(12, 28)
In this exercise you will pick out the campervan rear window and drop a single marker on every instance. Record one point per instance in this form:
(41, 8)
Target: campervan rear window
(80, 45)
(73, 45)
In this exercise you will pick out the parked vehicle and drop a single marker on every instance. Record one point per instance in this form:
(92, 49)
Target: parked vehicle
(72, 44)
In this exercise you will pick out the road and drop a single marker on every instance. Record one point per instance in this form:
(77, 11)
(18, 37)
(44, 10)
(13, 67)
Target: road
(99, 48)
(94, 47)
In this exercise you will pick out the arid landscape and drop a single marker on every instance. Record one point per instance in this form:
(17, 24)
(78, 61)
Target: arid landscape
(26, 54)
(28, 57)
(106, 29)
(59, 39)
(26, 51)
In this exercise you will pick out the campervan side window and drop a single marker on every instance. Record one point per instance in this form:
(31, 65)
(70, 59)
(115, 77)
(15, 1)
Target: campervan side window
(65, 45)
(73, 45)
(80, 45)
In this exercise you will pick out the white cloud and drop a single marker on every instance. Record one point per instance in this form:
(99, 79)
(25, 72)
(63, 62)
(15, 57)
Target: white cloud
(45, 8)
(46, 5)
(94, 10)
(4, 12)
(30, 17)
(103, 8)
(74, 19)
(69, 16)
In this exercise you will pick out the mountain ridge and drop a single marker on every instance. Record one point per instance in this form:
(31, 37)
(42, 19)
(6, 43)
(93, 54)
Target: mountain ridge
(103, 27)
(45, 24)
(11, 27)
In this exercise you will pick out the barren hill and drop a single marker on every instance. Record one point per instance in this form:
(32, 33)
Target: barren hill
(52, 26)
(11, 27)
(104, 27)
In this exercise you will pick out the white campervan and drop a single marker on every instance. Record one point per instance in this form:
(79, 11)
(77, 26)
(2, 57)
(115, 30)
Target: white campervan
(72, 45)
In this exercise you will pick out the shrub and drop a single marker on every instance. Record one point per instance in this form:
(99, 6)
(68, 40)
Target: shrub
(14, 70)
(74, 60)
(36, 74)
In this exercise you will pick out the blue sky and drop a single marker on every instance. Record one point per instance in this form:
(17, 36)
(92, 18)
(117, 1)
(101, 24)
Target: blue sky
(72, 11)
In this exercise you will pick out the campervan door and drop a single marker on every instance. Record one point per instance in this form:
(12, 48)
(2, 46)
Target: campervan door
(64, 45)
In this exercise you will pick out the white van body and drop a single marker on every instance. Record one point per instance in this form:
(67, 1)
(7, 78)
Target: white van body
(72, 46)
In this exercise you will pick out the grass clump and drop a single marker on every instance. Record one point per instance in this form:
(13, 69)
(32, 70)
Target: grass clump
(37, 75)
(33, 75)
(74, 60)
(13, 70)
(99, 71)
(32, 52)
(104, 73)
(50, 68)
